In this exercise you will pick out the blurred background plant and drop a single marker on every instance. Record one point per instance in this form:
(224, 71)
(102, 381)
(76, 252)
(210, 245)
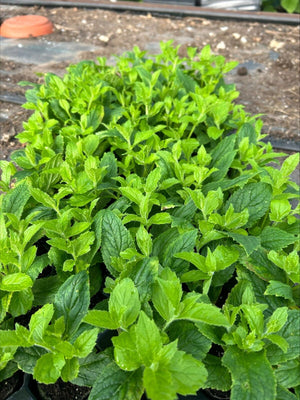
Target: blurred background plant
(290, 6)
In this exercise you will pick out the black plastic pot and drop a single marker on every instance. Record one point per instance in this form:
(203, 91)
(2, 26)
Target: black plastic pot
(178, 2)
(24, 393)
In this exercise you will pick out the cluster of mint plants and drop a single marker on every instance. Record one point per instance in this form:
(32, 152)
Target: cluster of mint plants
(144, 207)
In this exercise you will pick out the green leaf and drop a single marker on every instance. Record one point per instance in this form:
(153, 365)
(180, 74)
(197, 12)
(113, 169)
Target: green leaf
(256, 197)
(9, 338)
(28, 357)
(287, 374)
(250, 243)
(185, 80)
(81, 245)
(116, 384)
(280, 209)
(290, 332)
(89, 368)
(148, 339)
(144, 241)
(188, 374)
(158, 383)
(101, 318)
(152, 180)
(218, 376)
(201, 312)
(246, 131)
(124, 303)
(252, 375)
(279, 289)
(273, 238)
(85, 342)
(125, 350)
(15, 201)
(21, 302)
(115, 238)
(15, 282)
(290, 5)
(263, 267)
(39, 322)
(169, 243)
(70, 369)
(160, 219)
(48, 368)
(72, 301)
(278, 341)
(285, 394)
(166, 294)
(190, 340)
(43, 198)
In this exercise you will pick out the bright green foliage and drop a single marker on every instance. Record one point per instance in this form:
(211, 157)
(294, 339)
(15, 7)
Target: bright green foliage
(144, 188)
(290, 6)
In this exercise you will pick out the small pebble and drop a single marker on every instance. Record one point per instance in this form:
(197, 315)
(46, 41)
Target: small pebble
(221, 46)
(236, 35)
(104, 39)
(242, 71)
(243, 40)
(224, 28)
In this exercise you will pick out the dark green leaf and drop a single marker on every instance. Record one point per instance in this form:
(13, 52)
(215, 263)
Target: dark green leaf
(252, 375)
(115, 384)
(72, 301)
(256, 197)
(273, 238)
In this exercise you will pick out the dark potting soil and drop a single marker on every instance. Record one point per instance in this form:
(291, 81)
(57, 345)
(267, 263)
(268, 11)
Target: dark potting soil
(59, 391)
(10, 385)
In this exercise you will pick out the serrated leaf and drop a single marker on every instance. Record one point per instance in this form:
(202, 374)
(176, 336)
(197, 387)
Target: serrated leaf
(148, 339)
(125, 350)
(218, 376)
(15, 201)
(116, 384)
(70, 369)
(252, 375)
(188, 374)
(89, 368)
(43, 198)
(201, 312)
(273, 238)
(166, 294)
(190, 340)
(101, 318)
(85, 342)
(158, 383)
(256, 197)
(48, 368)
(124, 303)
(28, 357)
(171, 242)
(290, 332)
(15, 282)
(72, 301)
(39, 322)
(279, 289)
(250, 243)
(115, 238)
(287, 374)
(277, 320)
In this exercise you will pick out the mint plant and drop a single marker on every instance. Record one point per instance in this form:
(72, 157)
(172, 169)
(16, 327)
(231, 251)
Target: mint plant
(144, 206)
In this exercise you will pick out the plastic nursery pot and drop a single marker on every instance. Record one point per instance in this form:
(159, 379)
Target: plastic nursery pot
(176, 2)
(26, 26)
(24, 393)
